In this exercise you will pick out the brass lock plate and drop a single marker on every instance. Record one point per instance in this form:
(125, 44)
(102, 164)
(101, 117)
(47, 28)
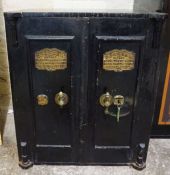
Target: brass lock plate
(118, 100)
(61, 99)
(50, 59)
(118, 60)
(42, 99)
(106, 100)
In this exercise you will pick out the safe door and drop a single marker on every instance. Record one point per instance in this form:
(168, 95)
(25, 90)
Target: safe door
(117, 55)
(47, 61)
(55, 71)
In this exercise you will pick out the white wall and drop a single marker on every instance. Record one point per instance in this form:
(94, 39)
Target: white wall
(68, 5)
(151, 5)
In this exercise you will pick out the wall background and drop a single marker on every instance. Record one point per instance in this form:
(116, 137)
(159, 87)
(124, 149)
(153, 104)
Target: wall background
(62, 5)
(148, 4)
(81, 5)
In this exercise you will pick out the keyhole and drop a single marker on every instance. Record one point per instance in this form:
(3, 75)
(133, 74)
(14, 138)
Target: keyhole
(119, 101)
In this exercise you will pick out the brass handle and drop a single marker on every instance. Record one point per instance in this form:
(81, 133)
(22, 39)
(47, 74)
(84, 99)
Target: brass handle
(61, 99)
(106, 100)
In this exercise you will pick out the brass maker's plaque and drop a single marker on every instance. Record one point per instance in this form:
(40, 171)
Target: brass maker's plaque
(50, 59)
(118, 60)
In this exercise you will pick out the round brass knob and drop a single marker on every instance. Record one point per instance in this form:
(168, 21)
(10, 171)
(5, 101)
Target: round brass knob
(61, 99)
(42, 99)
(106, 100)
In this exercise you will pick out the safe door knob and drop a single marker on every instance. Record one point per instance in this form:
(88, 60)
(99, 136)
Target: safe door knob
(61, 99)
(106, 100)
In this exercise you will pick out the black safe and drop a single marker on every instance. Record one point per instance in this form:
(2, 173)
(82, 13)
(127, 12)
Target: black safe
(83, 86)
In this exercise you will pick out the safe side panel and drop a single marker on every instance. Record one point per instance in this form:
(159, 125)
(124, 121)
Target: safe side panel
(21, 95)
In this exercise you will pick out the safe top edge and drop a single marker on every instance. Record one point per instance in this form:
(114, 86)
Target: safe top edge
(157, 15)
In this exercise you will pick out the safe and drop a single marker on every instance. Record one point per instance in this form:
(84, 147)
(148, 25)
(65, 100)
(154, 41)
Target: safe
(83, 86)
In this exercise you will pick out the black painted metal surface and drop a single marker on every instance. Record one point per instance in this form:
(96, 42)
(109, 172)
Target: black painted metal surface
(80, 132)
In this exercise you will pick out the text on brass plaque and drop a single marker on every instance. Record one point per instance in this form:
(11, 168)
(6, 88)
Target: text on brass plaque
(50, 59)
(42, 100)
(118, 60)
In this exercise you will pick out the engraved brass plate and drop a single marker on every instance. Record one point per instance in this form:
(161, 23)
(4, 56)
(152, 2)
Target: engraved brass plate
(118, 60)
(42, 100)
(50, 59)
